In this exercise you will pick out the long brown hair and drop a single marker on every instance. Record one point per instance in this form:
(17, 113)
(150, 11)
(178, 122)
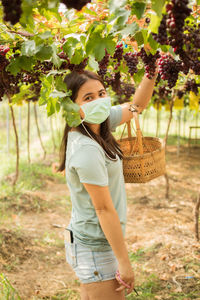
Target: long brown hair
(74, 81)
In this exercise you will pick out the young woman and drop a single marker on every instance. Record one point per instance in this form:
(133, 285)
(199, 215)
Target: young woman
(92, 160)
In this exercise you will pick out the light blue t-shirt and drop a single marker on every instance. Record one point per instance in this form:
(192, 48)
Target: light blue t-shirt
(86, 162)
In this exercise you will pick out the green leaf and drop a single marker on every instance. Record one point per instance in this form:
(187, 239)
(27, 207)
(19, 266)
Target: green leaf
(55, 58)
(60, 85)
(138, 9)
(23, 94)
(58, 94)
(198, 2)
(14, 66)
(26, 63)
(45, 53)
(122, 16)
(26, 19)
(154, 45)
(97, 45)
(78, 56)
(115, 5)
(93, 64)
(138, 76)
(28, 48)
(51, 106)
(154, 24)
(139, 38)
(45, 35)
(145, 35)
(70, 46)
(157, 6)
(129, 29)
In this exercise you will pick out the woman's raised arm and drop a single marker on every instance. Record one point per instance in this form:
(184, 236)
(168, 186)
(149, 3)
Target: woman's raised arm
(141, 98)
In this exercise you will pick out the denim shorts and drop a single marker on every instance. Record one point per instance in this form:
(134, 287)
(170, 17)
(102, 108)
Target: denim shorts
(91, 266)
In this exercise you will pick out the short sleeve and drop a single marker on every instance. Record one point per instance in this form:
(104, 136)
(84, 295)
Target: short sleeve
(89, 163)
(115, 116)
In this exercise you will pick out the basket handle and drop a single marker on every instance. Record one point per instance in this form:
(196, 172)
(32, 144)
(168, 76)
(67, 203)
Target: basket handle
(138, 134)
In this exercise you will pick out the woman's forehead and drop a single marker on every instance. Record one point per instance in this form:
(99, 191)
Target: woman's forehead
(91, 86)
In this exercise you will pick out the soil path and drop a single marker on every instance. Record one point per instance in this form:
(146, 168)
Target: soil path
(160, 233)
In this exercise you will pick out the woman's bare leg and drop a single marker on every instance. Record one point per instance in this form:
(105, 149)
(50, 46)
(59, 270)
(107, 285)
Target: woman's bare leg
(105, 290)
(84, 295)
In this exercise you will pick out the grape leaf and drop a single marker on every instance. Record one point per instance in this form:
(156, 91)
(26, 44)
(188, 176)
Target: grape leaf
(70, 45)
(44, 53)
(92, 63)
(58, 94)
(139, 38)
(51, 106)
(26, 63)
(60, 85)
(14, 66)
(45, 35)
(138, 76)
(152, 43)
(28, 48)
(97, 45)
(129, 29)
(55, 58)
(157, 6)
(115, 5)
(138, 8)
(154, 24)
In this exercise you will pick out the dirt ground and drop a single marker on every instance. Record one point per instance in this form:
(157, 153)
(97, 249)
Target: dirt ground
(160, 234)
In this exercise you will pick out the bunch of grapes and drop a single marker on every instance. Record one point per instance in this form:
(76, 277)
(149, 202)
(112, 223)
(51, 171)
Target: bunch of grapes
(149, 62)
(162, 37)
(180, 94)
(128, 90)
(3, 60)
(72, 67)
(169, 69)
(32, 77)
(44, 67)
(131, 61)
(103, 64)
(77, 4)
(9, 83)
(192, 86)
(12, 10)
(122, 89)
(118, 55)
(177, 12)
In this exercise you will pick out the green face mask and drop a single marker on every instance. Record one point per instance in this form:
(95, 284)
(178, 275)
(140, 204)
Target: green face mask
(96, 111)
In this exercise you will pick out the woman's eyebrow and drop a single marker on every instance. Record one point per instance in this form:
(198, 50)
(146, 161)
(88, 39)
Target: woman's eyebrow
(102, 90)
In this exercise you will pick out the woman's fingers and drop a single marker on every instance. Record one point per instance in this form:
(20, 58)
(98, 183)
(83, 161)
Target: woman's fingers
(121, 288)
(131, 288)
(123, 285)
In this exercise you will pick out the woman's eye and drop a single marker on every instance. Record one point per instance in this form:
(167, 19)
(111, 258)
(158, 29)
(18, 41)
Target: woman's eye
(102, 94)
(88, 98)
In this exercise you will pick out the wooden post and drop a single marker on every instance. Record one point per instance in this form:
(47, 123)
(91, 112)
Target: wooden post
(38, 130)
(28, 133)
(8, 128)
(196, 215)
(17, 143)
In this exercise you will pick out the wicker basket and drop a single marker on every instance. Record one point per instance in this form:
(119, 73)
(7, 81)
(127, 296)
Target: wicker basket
(144, 157)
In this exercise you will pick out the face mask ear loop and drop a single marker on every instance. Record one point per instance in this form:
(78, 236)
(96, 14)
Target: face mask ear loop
(113, 159)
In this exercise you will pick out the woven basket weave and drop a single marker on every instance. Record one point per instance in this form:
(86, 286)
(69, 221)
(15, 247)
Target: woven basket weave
(144, 157)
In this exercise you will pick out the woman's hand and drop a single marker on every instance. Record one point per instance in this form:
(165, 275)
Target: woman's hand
(125, 278)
